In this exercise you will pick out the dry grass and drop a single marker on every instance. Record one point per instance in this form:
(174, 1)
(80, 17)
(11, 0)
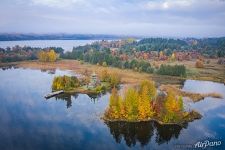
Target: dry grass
(195, 97)
(210, 72)
(127, 76)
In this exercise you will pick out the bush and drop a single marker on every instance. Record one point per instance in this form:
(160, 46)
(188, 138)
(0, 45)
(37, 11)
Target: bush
(113, 77)
(199, 64)
(104, 64)
(65, 83)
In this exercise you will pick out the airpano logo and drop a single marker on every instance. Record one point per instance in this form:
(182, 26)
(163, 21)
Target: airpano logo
(207, 143)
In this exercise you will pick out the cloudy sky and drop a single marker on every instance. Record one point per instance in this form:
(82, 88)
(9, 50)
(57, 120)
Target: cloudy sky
(179, 18)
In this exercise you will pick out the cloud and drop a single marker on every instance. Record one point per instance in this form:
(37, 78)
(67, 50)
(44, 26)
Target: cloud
(56, 3)
(149, 17)
(168, 4)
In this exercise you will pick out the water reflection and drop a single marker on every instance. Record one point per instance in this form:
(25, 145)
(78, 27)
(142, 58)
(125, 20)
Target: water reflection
(166, 132)
(29, 121)
(49, 71)
(67, 98)
(8, 67)
(142, 132)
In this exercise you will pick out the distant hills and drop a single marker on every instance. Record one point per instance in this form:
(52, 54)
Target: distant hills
(20, 37)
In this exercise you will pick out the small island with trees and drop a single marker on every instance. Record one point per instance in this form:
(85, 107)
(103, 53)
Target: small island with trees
(144, 103)
(86, 84)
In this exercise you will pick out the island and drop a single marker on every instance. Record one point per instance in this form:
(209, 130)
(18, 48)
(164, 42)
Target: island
(145, 103)
(87, 84)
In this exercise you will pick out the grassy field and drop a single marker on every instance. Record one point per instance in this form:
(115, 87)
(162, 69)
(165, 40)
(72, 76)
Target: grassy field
(210, 72)
(128, 76)
(195, 97)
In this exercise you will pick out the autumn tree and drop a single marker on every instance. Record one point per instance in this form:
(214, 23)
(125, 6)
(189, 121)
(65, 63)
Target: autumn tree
(105, 75)
(199, 64)
(145, 109)
(115, 105)
(150, 86)
(161, 54)
(42, 56)
(171, 103)
(173, 107)
(173, 57)
(47, 56)
(112, 77)
(65, 83)
(104, 64)
(181, 103)
(131, 104)
(115, 79)
(52, 56)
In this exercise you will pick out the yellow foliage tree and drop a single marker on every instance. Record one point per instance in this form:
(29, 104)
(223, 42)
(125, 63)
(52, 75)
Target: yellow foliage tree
(115, 104)
(173, 107)
(131, 103)
(161, 54)
(42, 56)
(145, 109)
(173, 57)
(171, 103)
(150, 85)
(104, 64)
(47, 56)
(52, 56)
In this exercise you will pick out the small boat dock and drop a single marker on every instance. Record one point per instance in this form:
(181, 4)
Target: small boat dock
(54, 94)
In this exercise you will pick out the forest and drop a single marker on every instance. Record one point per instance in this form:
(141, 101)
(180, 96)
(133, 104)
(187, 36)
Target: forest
(210, 47)
(105, 58)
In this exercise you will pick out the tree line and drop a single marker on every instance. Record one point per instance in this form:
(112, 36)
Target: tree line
(105, 58)
(210, 47)
(18, 53)
(176, 70)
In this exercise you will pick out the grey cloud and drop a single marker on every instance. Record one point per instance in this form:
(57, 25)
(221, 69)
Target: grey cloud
(147, 17)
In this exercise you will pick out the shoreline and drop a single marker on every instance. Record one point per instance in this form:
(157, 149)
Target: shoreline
(196, 116)
(128, 76)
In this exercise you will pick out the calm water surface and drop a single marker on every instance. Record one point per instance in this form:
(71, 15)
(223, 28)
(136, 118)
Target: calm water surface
(29, 121)
(67, 45)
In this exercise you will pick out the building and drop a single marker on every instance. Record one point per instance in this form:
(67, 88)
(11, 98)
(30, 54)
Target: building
(93, 81)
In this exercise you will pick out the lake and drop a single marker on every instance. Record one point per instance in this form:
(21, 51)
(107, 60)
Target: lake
(67, 45)
(29, 121)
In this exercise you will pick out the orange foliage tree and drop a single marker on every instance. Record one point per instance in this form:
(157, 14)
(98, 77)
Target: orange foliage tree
(199, 64)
